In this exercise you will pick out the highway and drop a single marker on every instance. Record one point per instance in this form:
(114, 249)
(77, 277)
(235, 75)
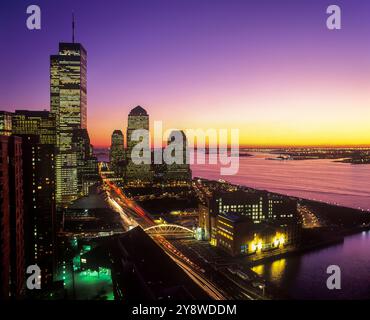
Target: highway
(133, 215)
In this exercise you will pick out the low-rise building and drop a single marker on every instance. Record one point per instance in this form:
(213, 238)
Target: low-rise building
(238, 235)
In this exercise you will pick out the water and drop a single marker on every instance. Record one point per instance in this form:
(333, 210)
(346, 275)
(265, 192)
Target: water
(304, 276)
(322, 180)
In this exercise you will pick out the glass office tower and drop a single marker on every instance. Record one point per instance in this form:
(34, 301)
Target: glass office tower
(68, 101)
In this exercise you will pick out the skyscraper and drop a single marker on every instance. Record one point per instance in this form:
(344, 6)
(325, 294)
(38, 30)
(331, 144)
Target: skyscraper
(68, 101)
(138, 173)
(117, 152)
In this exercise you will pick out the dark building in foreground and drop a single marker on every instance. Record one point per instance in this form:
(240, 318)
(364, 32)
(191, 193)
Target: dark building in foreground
(12, 271)
(139, 268)
(17, 250)
(37, 129)
(39, 205)
(142, 270)
(28, 208)
(4, 219)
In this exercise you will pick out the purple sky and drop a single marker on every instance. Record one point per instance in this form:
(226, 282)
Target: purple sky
(269, 68)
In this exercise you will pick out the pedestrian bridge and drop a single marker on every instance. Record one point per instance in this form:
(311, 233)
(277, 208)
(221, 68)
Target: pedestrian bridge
(170, 230)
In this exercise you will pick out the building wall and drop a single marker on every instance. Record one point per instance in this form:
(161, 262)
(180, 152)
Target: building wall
(259, 206)
(40, 206)
(17, 253)
(234, 234)
(4, 219)
(247, 204)
(40, 123)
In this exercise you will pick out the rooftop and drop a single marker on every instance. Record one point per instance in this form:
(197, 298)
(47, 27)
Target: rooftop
(138, 111)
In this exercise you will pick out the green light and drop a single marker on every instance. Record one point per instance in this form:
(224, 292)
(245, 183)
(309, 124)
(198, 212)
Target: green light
(86, 247)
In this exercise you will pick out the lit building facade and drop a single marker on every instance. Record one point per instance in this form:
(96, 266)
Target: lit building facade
(5, 123)
(68, 101)
(259, 206)
(138, 173)
(40, 123)
(272, 216)
(240, 202)
(238, 235)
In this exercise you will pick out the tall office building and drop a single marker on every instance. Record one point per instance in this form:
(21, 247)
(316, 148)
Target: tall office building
(68, 101)
(178, 171)
(117, 152)
(138, 173)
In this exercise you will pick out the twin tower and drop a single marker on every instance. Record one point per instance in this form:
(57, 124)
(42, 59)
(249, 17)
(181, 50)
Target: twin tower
(134, 174)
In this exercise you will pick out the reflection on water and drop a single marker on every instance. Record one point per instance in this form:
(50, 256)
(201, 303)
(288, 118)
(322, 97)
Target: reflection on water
(277, 268)
(260, 269)
(304, 276)
(274, 271)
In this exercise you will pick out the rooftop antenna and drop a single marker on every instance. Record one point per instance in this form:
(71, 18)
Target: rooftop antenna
(73, 27)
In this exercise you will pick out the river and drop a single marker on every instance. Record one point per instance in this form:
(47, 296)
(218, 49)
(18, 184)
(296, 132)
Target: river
(322, 180)
(304, 276)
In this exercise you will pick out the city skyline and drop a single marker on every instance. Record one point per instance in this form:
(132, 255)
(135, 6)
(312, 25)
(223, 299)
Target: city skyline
(214, 66)
(111, 188)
